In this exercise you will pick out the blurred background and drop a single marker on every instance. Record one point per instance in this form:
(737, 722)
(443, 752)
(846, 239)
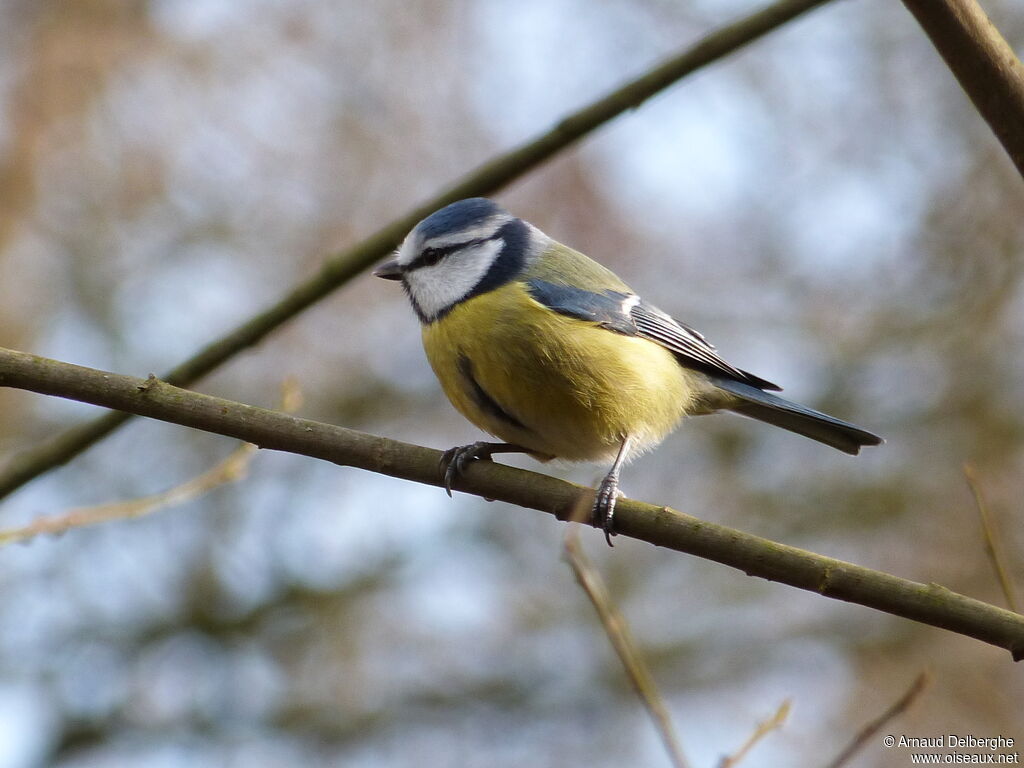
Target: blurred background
(825, 205)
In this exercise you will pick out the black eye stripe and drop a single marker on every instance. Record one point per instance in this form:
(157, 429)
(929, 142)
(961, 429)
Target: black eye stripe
(428, 257)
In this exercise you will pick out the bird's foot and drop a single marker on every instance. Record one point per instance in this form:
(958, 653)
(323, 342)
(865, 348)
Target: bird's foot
(455, 460)
(604, 507)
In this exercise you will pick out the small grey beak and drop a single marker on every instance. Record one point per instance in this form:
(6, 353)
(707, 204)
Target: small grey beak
(389, 270)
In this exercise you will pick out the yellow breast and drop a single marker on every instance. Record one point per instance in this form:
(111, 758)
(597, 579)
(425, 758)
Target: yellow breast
(555, 385)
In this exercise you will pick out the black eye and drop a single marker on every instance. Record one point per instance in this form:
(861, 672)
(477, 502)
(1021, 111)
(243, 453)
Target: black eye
(430, 256)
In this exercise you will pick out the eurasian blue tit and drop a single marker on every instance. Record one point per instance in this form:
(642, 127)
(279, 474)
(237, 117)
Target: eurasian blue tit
(552, 353)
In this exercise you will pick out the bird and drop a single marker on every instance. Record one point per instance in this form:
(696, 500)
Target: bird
(552, 353)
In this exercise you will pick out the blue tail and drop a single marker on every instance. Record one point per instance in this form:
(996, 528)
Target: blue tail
(772, 409)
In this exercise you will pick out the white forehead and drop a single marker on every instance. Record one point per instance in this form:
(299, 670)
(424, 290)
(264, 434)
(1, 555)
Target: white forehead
(408, 249)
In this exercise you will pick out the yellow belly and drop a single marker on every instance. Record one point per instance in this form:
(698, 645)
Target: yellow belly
(555, 385)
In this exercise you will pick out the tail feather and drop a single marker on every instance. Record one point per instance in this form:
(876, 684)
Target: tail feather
(778, 411)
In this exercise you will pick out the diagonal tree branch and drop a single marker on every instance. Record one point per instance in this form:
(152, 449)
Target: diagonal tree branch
(342, 267)
(870, 730)
(927, 603)
(983, 62)
(616, 628)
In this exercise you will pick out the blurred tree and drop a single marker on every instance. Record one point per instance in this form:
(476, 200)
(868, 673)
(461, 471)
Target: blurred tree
(825, 205)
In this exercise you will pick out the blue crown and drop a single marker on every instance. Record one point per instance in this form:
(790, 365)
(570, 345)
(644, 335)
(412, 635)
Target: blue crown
(458, 216)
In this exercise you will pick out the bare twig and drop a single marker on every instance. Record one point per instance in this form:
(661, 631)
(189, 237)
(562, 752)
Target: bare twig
(983, 62)
(231, 469)
(617, 630)
(774, 723)
(928, 603)
(993, 547)
(342, 267)
(872, 728)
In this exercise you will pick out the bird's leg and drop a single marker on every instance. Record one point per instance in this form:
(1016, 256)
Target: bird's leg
(454, 460)
(608, 492)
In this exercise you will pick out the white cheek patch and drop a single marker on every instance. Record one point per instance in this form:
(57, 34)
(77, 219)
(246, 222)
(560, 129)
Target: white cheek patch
(439, 286)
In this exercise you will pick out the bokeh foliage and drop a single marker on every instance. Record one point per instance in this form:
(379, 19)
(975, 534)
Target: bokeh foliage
(825, 205)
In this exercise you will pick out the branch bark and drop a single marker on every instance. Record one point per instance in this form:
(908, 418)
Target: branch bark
(342, 267)
(927, 603)
(983, 62)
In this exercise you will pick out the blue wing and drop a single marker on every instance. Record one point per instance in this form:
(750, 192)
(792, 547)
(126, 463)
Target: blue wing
(627, 314)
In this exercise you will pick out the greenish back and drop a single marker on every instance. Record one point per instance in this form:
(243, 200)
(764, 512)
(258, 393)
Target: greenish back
(561, 265)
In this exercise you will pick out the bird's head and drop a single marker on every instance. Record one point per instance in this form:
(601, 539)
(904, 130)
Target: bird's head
(464, 249)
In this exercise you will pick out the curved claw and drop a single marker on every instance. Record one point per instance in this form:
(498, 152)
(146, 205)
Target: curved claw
(455, 460)
(604, 507)
(608, 493)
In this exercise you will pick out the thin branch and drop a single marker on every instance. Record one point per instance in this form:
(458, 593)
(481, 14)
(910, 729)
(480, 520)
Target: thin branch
(617, 630)
(871, 729)
(992, 547)
(983, 62)
(342, 267)
(927, 603)
(231, 469)
(774, 723)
